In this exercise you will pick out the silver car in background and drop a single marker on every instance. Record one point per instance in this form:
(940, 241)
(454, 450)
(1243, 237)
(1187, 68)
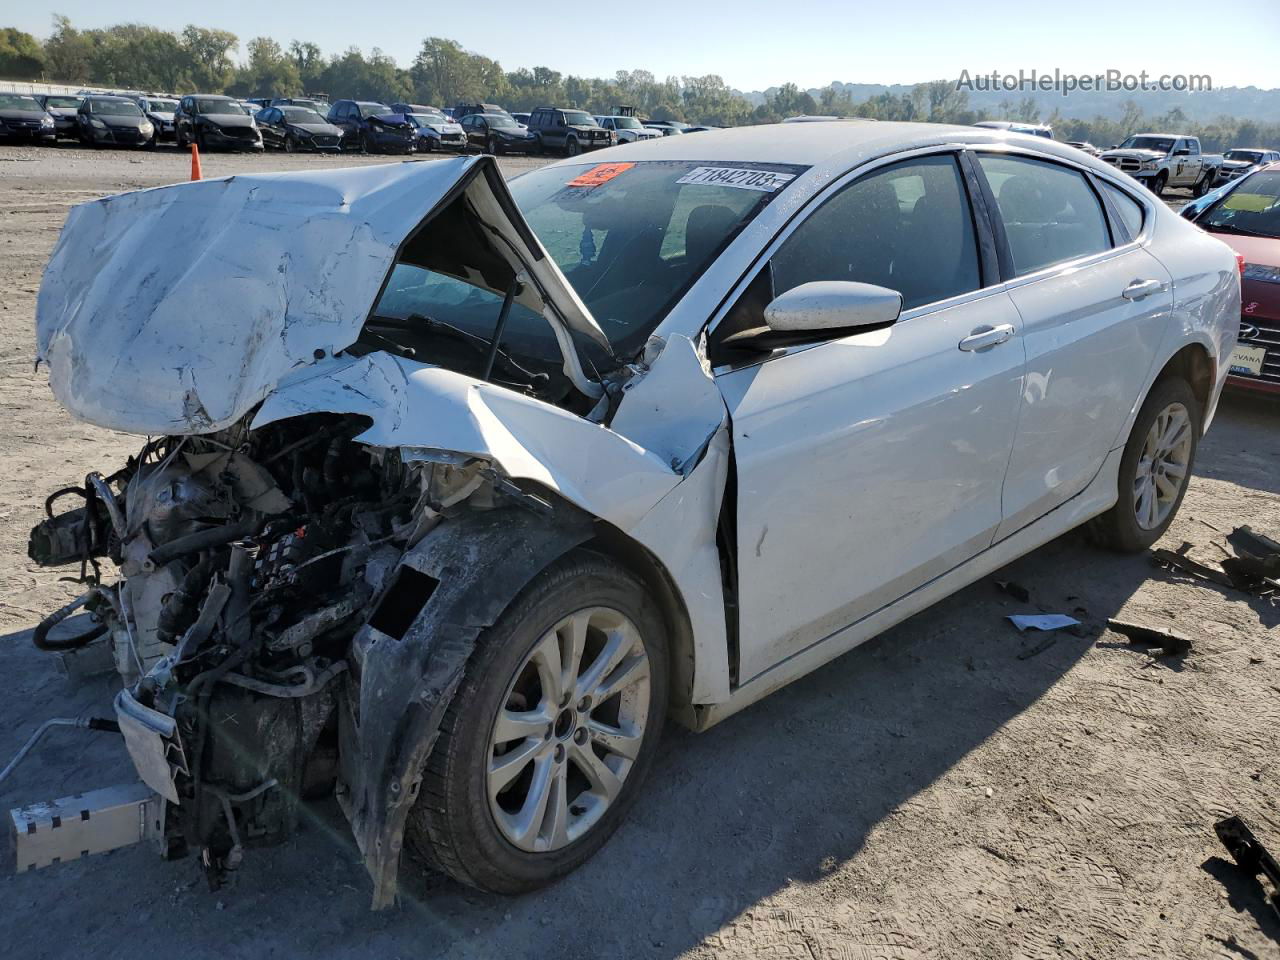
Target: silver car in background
(461, 488)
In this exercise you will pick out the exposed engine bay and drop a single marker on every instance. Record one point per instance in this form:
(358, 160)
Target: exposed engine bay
(248, 560)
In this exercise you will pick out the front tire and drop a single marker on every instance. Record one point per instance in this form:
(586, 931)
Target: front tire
(1158, 183)
(1154, 469)
(555, 724)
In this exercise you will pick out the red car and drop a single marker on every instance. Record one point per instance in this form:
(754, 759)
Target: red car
(1246, 215)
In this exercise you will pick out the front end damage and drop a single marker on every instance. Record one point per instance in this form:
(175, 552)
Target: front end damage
(313, 539)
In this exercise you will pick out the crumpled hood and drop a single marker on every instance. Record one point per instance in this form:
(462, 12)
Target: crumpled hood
(391, 119)
(175, 310)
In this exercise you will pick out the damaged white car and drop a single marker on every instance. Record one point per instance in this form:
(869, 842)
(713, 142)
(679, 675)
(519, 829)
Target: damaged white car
(454, 490)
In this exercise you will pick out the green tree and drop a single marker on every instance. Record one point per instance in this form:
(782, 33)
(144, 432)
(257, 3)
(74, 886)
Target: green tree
(21, 56)
(270, 72)
(211, 67)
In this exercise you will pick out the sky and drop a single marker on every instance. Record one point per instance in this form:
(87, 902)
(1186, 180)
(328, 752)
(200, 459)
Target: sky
(753, 44)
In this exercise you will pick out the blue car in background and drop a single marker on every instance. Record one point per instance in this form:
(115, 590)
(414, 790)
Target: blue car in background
(372, 127)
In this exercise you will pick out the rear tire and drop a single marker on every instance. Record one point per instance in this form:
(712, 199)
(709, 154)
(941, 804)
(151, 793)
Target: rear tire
(571, 147)
(1150, 468)
(1202, 186)
(498, 837)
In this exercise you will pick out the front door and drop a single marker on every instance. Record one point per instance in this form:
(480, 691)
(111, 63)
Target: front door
(868, 465)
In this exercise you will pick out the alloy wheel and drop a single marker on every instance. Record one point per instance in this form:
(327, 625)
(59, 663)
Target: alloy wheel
(569, 730)
(1162, 466)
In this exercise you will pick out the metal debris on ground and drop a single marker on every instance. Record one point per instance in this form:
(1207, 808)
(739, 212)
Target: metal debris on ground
(1015, 590)
(1255, 567)
(1043, 621)
(1170, 643)
(1251, 856)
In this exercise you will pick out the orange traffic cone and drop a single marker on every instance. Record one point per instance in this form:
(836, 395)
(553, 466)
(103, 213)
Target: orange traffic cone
(195, 163)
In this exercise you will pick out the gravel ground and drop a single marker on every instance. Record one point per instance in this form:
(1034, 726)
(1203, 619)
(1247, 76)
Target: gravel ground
(932, 793)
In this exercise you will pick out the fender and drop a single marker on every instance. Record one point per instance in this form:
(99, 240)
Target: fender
(460, 577)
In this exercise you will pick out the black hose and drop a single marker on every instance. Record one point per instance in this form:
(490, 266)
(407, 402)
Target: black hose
(40, 636)
(179, 611)
(203, 540)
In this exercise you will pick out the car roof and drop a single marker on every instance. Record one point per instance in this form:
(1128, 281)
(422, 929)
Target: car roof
(834, 145)
(212, 96)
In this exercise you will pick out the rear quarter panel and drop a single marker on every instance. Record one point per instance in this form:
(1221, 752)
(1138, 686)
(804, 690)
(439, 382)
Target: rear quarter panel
(1206, 296)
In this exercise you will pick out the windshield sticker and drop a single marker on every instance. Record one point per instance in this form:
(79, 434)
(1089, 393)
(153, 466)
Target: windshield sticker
(1248, 202)
(600, 173)
(765, 181)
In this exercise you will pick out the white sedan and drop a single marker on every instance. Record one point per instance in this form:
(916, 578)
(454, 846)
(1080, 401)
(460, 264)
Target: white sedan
(456, 490)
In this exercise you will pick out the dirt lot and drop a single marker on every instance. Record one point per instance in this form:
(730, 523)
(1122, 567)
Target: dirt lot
(931, 794)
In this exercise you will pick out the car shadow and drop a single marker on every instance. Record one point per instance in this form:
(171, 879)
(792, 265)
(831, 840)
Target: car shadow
(784, 793)
(1244, 893)
(780, 794)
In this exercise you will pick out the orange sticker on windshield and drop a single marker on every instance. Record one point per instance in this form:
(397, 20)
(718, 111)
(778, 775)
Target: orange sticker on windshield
(600, 173)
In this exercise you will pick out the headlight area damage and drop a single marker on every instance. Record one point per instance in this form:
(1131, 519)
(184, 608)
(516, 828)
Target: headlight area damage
(315, 537)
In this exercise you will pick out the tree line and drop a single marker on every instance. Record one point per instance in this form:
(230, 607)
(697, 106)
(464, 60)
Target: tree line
(139, 57)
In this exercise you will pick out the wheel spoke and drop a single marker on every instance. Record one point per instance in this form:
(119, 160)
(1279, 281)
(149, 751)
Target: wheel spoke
(1175, 470)
(527, 823)
(546, 658)
(629, 672)
(1175, 432)
(505, 768)
(604, 782)
(1167, 488)
(625, 743)
(555, 822)
(521, 724)
(573, 642)
(620, 641)
(1151, 506)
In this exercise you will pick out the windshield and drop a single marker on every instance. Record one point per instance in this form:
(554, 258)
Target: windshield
(1248, 156)
(115, 108)
(63, 103)
(1160, 144)
(14, 101)
(219, 107)
(1251, 210)
(373, 109)
(579, 118)
(630, 238)
(301, 115)
(162, 106)
(500, 122)
(429, 117)
(626, 123)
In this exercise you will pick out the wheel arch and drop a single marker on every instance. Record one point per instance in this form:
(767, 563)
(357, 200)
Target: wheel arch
(1195, 364)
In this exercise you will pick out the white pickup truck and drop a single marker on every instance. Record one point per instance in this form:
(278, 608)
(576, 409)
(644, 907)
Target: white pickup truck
(1161, 160)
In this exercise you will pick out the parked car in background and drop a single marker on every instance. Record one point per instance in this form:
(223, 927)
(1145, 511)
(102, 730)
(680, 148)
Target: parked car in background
(1162, 160)
(372, 127)
(211, 121)
(628, 129)
(160, 111)
(521, 118)
(1237, 162)
(434, 130)
(1015, 126)
(497, 133)
(1244, 213)
(292, 128)
(461, 110)
(668, 128)
(23, 119)
(63, 110)
(569, 131)
(113, 121)
(493, 497)
(319, 106)
(699, 129)
(1084, 145)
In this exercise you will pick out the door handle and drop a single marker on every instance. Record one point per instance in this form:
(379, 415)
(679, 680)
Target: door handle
(985, 337)
(1141, 288)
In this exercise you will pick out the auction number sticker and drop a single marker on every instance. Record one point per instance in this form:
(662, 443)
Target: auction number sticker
(600, 173)
(766, 181)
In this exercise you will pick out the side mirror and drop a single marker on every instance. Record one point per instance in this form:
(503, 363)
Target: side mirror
(820, 310)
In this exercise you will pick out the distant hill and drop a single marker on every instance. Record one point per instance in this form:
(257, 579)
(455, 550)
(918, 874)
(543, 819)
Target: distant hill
(1246, 103)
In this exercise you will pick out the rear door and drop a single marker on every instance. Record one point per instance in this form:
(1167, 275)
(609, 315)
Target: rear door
(1093, 305)
(870, 464)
